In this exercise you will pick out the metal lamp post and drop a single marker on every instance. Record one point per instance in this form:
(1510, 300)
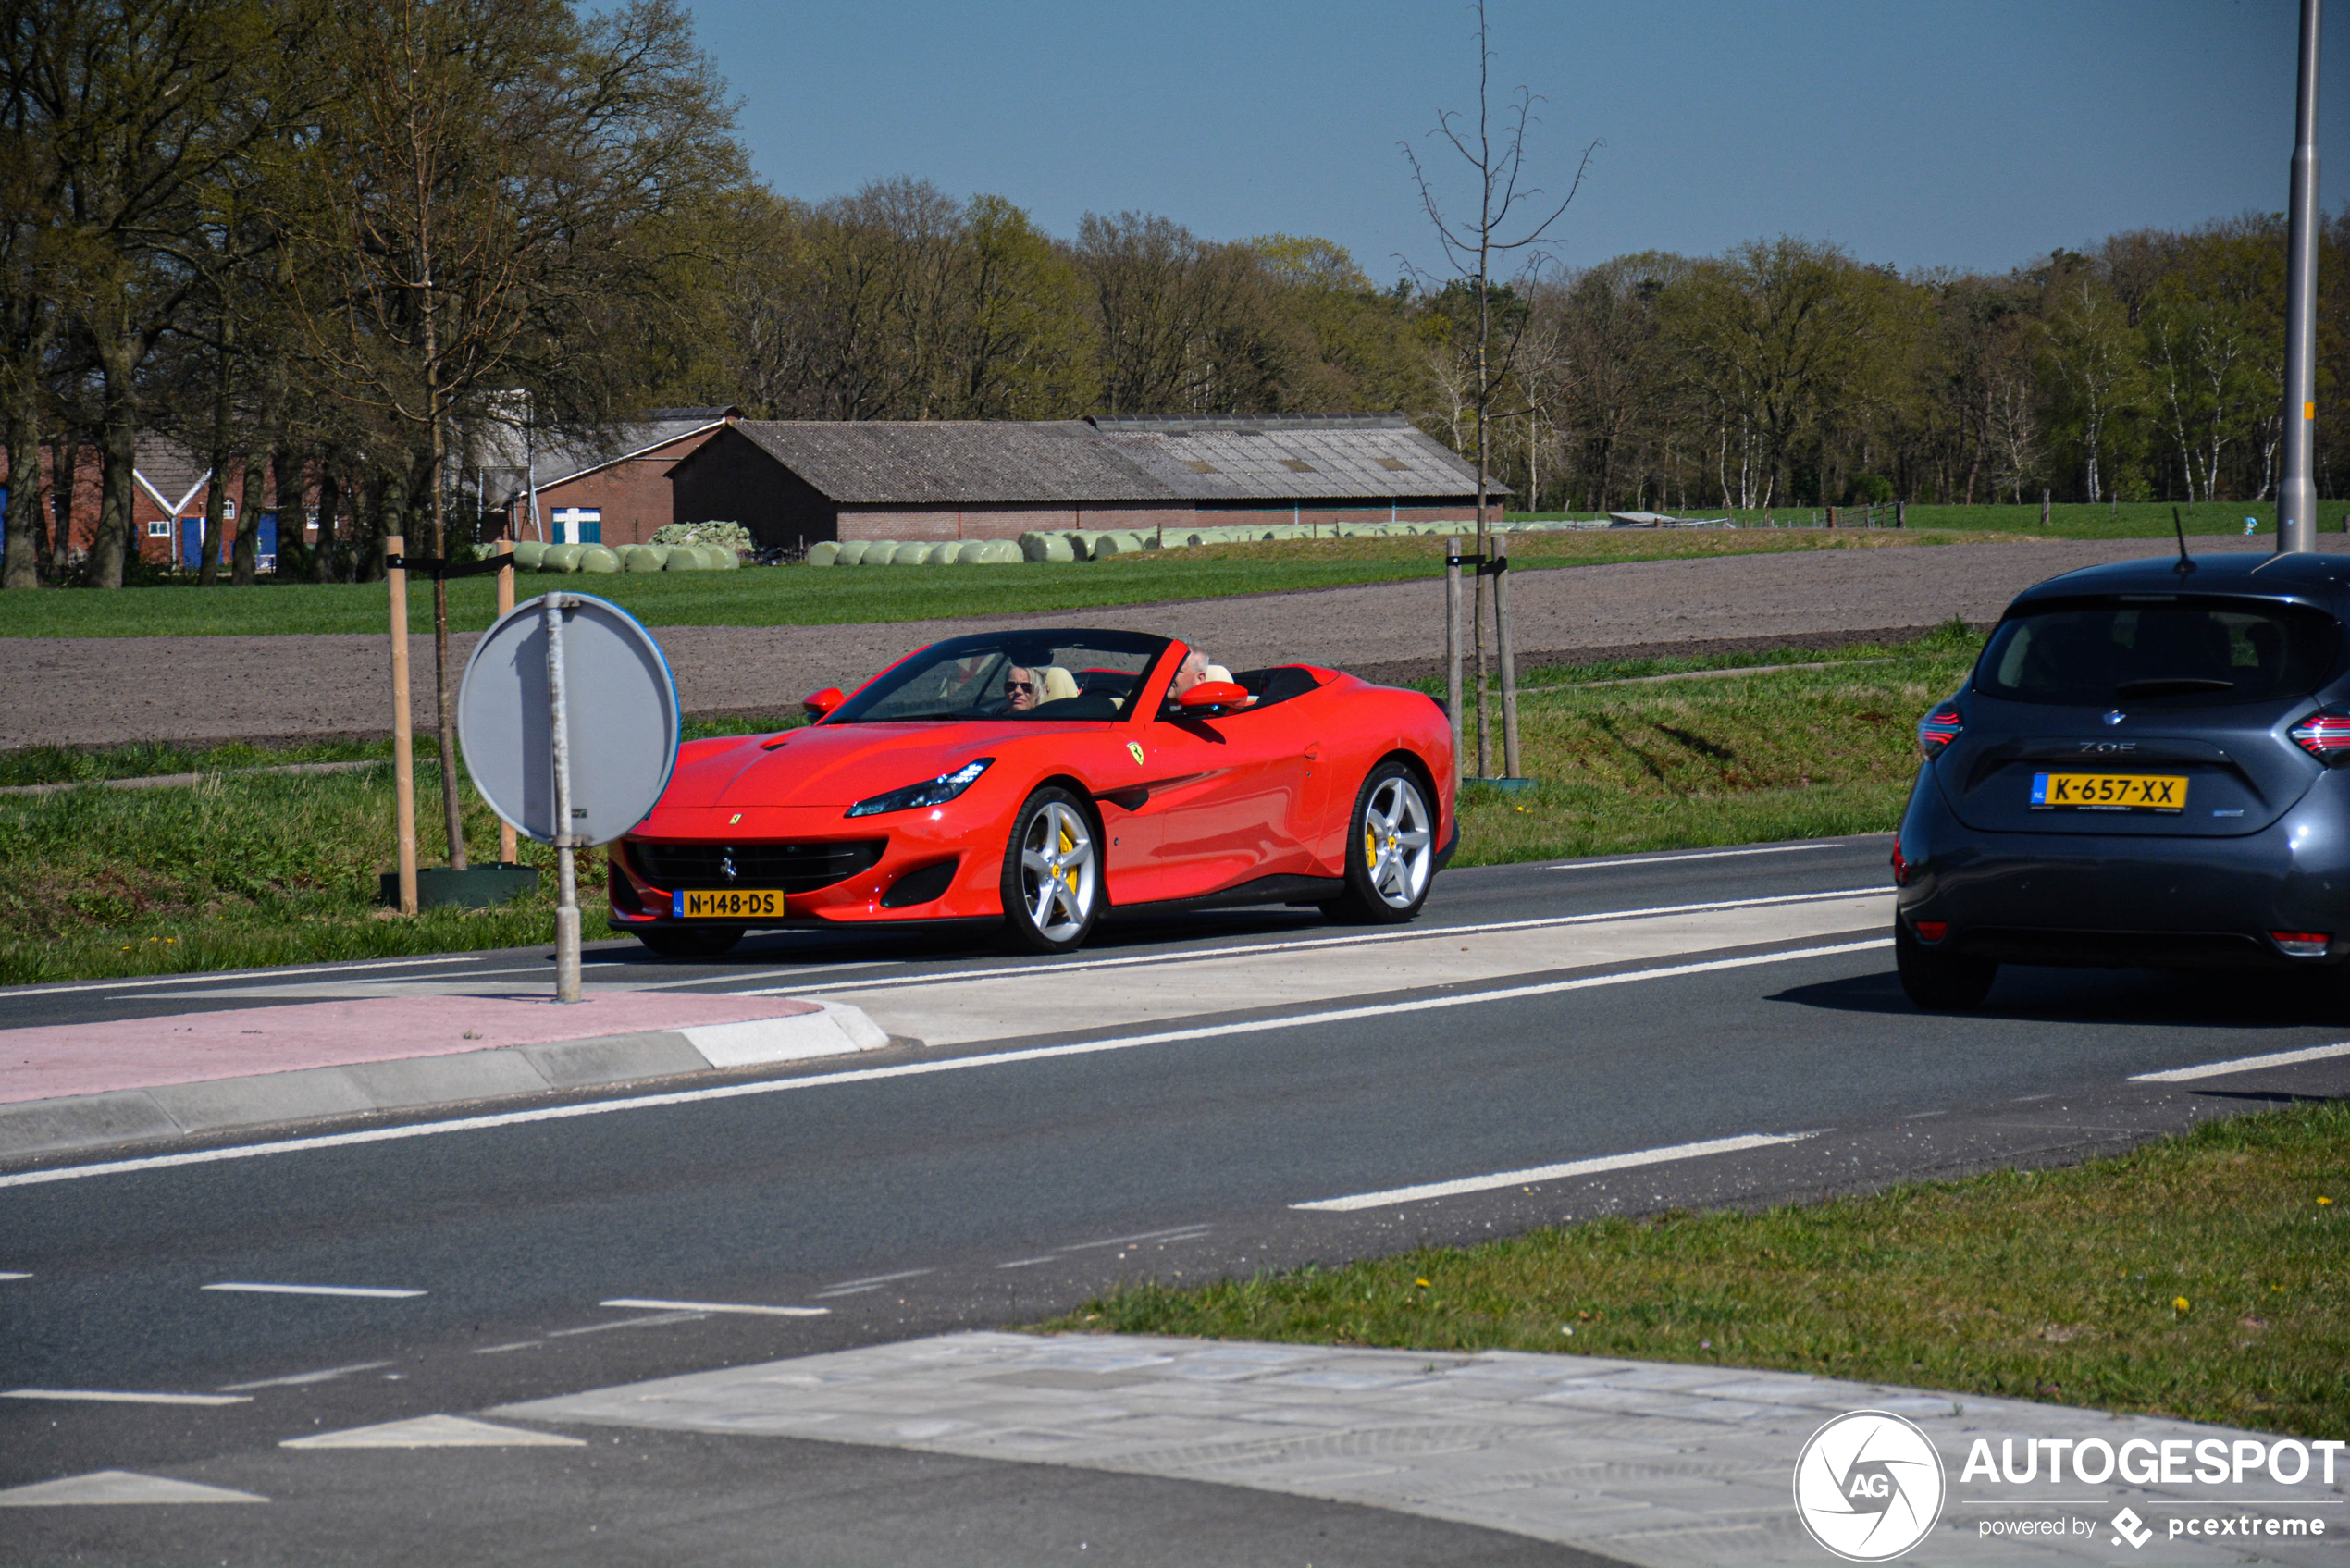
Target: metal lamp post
(2297, 489)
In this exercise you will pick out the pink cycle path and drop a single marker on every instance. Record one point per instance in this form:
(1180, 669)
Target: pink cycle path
(94, 1058)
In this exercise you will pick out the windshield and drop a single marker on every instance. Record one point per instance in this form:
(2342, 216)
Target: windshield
(2184, 652)
(1018, 677)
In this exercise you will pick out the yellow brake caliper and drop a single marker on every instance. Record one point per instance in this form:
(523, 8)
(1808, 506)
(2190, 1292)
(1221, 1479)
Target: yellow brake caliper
(1069, 873)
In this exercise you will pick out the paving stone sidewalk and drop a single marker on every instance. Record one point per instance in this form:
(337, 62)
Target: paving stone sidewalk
(1661, 1465)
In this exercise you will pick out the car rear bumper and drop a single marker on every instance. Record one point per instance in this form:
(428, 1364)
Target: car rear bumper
(2118, 900)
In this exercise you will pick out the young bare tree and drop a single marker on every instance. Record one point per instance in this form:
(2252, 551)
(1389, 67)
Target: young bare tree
(1499, 235)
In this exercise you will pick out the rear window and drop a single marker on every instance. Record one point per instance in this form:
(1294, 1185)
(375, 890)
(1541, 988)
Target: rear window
(2184, 652)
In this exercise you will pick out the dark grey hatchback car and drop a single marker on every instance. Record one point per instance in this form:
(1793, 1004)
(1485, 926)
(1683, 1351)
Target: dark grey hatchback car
(2142, 772)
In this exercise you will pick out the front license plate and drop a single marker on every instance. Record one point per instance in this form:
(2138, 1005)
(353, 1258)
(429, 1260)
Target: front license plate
(2110, 792)
(726, 904)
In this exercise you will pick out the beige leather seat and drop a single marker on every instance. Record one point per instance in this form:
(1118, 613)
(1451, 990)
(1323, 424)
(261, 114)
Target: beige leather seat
(1058, 685)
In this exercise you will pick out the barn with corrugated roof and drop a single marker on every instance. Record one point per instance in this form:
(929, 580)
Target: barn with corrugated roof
(797, 482)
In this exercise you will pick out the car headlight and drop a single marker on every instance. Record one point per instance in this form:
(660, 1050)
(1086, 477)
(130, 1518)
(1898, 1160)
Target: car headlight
(930, 792)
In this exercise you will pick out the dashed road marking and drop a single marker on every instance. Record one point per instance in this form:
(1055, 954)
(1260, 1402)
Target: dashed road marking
(434, 1432)
(4, 1275)
(114, 1396)
(1552, 1172)
(366, 1291)
(218, 977)
(1703, 855)
(302, 1379)
(643, 1304)
(104, 1486)
(871, 1282)
(2244, 1064)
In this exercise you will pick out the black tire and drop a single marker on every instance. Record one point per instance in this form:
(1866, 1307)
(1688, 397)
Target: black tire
(1389, 872)
(691, 942)
(1938, 981)
(1052, 884)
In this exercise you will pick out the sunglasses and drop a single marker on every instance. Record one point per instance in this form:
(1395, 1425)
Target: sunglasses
(1020, 686)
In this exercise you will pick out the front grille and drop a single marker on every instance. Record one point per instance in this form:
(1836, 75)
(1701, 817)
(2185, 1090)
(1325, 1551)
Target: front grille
(793, 868)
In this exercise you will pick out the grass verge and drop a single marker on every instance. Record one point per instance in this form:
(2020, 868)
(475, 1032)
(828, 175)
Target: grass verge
(2200, 1277)
(804, 595)
(244, 869)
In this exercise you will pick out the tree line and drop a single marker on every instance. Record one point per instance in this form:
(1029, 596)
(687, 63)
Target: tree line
(344, 249)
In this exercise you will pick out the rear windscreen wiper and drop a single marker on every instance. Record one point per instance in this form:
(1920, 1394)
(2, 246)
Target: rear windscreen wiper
(2163, 685)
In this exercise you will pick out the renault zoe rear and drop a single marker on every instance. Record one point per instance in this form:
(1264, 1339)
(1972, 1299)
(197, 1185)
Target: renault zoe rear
(2141, 771)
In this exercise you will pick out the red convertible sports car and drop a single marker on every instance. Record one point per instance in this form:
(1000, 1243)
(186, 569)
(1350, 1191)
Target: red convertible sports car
(1039, 778)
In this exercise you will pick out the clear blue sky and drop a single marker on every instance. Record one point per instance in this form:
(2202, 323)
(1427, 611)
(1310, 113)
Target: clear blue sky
(1974, 135)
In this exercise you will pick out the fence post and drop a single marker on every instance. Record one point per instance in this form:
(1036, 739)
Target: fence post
(1509, 661)
(2044, 508)
(404, 733)
(1831, 517)
(1452, 641)
(509, 849)
(1900, 514)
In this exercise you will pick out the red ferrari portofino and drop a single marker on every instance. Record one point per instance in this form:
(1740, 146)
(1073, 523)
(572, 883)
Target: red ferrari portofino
(1039, 778)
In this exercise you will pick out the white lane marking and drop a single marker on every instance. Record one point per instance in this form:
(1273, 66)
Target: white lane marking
(1174, 1233)
(1416, 933)
(915, 1070)
(1030, 1262)
(364, 1290)
(655, 1321)
(765, 974)
(871, 1282)
(15, 1276)
(715, 1306)
(105, 1396)
(434, 1432)
(518, 1345)
(1542, 1173)
(1706, 855)
(218, 976)
(104, 1486)
(301, 1380)
(2244, 1064)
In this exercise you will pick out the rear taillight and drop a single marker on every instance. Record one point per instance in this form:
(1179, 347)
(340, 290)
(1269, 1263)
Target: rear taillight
(1938, 729)
(1931, 931)
(2325, 736)
(1900, 866)
(2301, 943)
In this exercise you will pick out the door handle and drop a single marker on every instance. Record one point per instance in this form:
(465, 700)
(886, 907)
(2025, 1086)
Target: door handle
(1314, 751)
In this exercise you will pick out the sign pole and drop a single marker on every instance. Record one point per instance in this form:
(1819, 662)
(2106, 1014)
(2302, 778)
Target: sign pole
(559, 736)
(2296, 481)
(404, 733)
(509, 850)
(1453, 639)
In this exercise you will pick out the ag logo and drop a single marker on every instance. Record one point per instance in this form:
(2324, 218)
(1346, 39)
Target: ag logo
(1136, 747)
(1868, 1486)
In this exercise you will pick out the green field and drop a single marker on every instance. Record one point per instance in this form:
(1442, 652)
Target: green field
(806, 595)
(2206, 1278)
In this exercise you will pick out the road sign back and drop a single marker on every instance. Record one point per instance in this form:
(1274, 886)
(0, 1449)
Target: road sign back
(621, 707)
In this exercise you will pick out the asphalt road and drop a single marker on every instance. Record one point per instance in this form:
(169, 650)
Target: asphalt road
(1593, 1011)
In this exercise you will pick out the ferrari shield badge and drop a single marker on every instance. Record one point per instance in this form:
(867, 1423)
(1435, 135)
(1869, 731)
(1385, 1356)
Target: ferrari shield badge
(1136, 747)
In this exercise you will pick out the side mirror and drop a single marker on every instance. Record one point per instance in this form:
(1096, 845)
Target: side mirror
(1209, 695)
(817, 705)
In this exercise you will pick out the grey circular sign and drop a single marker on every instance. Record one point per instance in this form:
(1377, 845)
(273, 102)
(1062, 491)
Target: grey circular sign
(621, 713)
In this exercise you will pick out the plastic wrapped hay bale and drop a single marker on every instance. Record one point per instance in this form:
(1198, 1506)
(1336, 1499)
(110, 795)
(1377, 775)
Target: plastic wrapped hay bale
(686, 557)
(971, 553)
(999, 553)
(597, 559)
(561, 558)
(644, 557)
(528, 554)
(721, 556)
(878, 553)
(852, 551)
(823, 552)
(1047, 547)
(914, 553)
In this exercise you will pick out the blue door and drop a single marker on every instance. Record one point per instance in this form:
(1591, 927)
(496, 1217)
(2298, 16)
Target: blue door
(266, 546)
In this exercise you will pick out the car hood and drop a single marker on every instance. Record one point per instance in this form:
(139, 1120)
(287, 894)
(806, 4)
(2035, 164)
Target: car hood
(825, 765)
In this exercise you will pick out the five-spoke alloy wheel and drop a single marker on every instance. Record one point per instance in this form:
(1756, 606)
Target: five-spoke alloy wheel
(1052, 873)
(1391, 849)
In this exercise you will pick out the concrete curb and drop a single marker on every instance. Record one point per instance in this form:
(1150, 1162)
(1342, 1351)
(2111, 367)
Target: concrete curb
(180, 1110)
